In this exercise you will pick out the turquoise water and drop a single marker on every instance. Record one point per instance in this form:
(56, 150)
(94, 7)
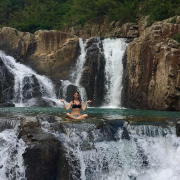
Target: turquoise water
(97, 113)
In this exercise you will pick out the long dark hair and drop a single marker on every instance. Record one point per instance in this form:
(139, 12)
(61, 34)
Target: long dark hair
(79, 98)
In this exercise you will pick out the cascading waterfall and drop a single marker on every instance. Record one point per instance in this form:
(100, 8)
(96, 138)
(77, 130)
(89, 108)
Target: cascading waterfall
(113, 51)
(27, 83)
(11, 150)
(149, 153)
(64, 86)
(78, 70)
(29, 86)
(77, 73)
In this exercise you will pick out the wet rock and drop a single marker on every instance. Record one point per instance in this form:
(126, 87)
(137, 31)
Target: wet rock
(93, 74)
(6, 85)
(48, 118)
(40, 102)
(31, 88)
(178, 129)
(71, 89)
(6, 105)
(44, 157)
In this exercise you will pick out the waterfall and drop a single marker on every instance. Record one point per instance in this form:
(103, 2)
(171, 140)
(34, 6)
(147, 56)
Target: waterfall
(28, 84)
(11, 150)
(64, 86)
(76, 73)
(113, 51)
(150, 152)
(105, 81)
(78, 70)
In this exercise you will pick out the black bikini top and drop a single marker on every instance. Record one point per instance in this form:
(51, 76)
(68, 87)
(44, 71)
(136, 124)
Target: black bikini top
(76, 105)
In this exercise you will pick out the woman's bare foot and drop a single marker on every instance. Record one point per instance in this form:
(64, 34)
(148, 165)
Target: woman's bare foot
(84, 116)
(70, 116)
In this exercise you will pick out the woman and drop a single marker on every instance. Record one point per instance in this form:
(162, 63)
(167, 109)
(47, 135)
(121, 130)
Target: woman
(76, 105)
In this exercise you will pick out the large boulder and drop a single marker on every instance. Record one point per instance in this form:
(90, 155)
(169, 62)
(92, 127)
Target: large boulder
(152, 71)
(31, 87)
(44, 157)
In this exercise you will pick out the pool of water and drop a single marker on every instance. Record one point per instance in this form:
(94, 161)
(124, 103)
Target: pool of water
(97, 114)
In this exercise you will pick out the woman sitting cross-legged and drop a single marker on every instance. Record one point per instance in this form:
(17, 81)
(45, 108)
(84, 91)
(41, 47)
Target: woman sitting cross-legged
(76, 105)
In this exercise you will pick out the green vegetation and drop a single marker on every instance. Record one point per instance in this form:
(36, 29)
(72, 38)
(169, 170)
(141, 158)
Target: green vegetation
(31, 15)
(177, 38)
(161, 9)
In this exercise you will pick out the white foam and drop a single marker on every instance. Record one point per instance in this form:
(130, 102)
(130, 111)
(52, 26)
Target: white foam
(146, 156)
(21, 72)
(114, 50)
(11, 159)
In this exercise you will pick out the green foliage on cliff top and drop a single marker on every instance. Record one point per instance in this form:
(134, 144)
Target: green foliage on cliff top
(177, 38)
(161, 9)
(31, 15)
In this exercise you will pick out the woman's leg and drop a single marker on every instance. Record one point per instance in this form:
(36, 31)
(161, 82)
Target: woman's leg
(84, 116)
(68, 115)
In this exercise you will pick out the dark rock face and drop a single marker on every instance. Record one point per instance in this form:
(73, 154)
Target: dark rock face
(41, 158)
(178, 129)
(124, 82)
(71, 89)
(93, 74)
(7, 105)
(31, 88)
(6, 84)
(41, 161)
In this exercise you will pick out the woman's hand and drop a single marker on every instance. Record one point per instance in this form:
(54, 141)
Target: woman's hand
(89, 101)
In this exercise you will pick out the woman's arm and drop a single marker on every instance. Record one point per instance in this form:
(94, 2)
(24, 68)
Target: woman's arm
(85, 106)
(66, 107)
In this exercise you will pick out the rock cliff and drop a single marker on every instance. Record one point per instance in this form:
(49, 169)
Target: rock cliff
(152, 62)
(152, 69)
(48, 52)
